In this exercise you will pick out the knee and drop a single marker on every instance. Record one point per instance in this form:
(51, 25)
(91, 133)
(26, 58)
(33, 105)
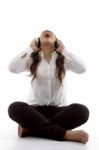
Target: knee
(14, 108)
(81, 111)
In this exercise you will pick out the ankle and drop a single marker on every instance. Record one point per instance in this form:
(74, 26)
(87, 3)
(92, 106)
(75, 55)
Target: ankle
(67, 135)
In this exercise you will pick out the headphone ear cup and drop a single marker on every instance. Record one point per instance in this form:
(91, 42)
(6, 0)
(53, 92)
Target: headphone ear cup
(38, 43)
(56, 44)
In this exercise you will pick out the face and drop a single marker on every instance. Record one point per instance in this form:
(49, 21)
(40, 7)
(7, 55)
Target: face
(47, 37)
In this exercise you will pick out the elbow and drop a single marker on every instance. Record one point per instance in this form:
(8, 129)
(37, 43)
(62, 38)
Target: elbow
(17, 66)
(82, 70)
(12, 69)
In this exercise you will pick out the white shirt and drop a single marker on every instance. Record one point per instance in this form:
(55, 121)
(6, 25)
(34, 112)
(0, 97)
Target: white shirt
(45, 89)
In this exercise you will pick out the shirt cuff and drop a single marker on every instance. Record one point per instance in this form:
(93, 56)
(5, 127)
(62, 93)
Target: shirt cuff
(29, 50)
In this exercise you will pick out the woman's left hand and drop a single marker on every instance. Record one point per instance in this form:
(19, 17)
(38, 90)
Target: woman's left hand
(61, 46)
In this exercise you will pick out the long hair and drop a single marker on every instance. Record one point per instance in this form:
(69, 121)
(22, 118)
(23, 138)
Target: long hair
(60, 70)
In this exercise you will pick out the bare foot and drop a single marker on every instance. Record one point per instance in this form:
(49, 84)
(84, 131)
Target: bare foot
(23, 132)
(78, 136)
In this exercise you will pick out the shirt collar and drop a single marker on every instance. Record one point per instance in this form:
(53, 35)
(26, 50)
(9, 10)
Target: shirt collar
(53, 54)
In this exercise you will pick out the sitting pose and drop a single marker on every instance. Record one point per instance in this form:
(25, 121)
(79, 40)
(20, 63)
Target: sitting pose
(45, 114)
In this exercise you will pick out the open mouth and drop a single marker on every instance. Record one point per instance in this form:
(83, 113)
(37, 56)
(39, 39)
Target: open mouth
(47, 34)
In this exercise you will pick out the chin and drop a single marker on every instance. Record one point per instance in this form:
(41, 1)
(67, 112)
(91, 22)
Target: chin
(47, 41)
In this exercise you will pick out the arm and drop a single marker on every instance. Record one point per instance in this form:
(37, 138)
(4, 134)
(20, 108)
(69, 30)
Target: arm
(73, 63)
(21, 62)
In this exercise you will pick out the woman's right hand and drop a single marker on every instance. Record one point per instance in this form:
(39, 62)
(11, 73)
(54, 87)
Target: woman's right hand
(33, 46)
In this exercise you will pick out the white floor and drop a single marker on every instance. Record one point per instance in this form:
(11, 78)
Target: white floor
(10, 141)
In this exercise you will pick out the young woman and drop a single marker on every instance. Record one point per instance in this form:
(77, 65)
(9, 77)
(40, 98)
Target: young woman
(45, 114)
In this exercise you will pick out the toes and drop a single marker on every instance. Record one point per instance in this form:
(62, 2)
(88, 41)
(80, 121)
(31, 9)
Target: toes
(84, 136)
(84, 141)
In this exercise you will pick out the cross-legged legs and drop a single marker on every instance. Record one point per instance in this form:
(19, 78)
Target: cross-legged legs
(28, 117)
(49, 121)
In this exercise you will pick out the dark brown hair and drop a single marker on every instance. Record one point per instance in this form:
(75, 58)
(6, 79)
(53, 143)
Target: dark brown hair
(60, 70)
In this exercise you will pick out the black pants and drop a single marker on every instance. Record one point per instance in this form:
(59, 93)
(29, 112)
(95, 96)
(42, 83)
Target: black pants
(48, 121)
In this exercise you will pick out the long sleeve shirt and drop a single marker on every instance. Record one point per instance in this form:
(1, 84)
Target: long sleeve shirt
(45, 88)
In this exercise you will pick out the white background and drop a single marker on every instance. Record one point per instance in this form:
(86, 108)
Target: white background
(76, 23)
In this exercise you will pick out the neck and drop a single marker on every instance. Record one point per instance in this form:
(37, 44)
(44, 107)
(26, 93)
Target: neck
(47, 51)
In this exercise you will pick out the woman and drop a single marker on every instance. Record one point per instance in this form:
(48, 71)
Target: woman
(45, 114)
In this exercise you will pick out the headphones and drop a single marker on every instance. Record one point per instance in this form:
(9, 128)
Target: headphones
(38, 43)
